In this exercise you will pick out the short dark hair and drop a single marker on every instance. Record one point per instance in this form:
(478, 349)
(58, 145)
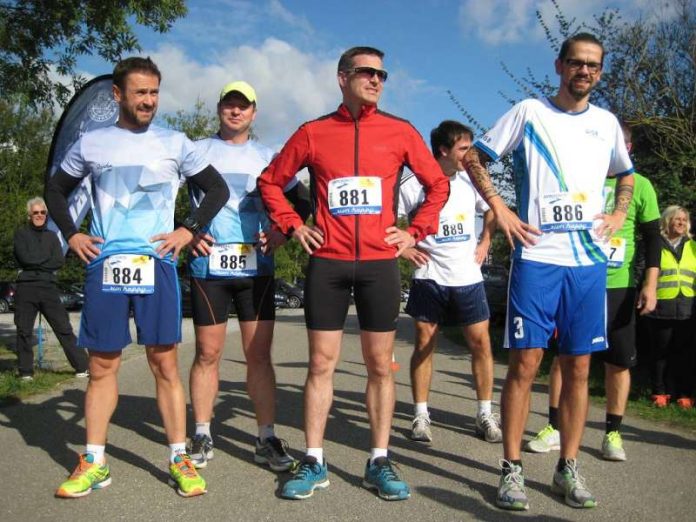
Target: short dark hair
(579, 37)
(446, 134)
(134, 64)
(345, 62)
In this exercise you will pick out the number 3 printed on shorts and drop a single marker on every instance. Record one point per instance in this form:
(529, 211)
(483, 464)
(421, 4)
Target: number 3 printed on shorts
(519, 327)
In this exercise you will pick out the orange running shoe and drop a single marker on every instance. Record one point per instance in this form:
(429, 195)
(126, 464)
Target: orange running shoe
(685, 403)
(660, 401)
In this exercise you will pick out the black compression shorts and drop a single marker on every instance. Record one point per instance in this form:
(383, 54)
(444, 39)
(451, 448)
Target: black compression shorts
(375, 286)
(621, 328)
(253, 299)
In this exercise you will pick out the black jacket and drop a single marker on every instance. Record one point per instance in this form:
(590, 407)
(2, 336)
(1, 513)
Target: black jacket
(38, 254)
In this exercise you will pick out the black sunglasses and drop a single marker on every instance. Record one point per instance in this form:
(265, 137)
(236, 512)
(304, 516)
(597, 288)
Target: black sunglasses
(370, 72)
(38, 212)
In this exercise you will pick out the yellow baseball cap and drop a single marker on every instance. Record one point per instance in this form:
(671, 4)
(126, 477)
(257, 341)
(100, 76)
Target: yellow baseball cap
(242, 88)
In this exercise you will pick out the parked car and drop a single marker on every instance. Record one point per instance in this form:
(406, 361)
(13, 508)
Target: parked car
(495, 282)
(70, 297)
(294, 295)
(7, 292)
(280, 299)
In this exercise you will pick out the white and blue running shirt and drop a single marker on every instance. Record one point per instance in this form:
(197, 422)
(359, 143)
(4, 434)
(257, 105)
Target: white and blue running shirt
(560, 162)
(451, 250)
(244, 215)
(135, 176)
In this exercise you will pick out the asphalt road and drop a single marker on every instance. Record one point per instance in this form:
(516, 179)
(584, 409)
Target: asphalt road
(453, 479)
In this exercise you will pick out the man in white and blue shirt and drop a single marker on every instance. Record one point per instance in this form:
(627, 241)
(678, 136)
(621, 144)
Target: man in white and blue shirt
(563, 147)
(232, 263)
(135, 169)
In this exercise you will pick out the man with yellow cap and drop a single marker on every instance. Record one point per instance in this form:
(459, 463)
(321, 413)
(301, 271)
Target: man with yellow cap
(232, 261)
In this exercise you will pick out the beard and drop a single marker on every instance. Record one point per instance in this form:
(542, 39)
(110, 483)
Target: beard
(133, 118)
(579, 93)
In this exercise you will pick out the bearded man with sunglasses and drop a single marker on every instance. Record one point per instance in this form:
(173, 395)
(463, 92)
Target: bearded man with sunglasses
(39, 256)
(355, 157)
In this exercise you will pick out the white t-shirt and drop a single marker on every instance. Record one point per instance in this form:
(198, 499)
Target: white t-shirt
(451, 250)
(560, 161)
(244, 215)
(135, 177)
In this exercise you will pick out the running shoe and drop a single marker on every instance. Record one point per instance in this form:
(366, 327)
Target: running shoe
(86, 477)
(571, 485)
(660, 400)
(274, 452)
(309, 475)
(685, 403)
(488, 427)
(420, 430)
(546, 440)
(200, 450)
(184, 477)
(511, 492)
(380, 475)
(612, 447)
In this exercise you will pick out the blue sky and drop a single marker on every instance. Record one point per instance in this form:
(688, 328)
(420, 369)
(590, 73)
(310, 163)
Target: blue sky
(288, 50)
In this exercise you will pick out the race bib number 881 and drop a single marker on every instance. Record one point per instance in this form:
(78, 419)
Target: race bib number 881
(355, 195)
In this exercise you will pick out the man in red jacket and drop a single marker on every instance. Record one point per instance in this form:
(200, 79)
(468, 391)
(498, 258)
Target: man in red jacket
(355, 157)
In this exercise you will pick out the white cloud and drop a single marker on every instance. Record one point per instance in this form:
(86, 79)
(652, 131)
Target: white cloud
(509, 21)
(292, 86)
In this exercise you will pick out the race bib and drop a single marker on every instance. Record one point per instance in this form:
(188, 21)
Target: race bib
(128, 274)
(233, 260)
(355, 195)
(452, 228)
(615, 250)
(564, 212)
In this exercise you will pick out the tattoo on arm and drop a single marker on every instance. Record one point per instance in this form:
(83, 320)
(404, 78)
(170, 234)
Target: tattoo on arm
(474, 162)
(623, 196)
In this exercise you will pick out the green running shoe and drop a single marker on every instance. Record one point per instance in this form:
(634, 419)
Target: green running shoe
(546, 440)
(86, 477)
(571, 485)
(184, 477)
(612, 447)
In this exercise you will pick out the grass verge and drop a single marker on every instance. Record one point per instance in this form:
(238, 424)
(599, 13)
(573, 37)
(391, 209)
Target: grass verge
(13, 389)
(639, 404)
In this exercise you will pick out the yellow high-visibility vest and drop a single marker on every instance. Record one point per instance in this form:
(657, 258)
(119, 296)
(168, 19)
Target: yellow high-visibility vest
(676, 278)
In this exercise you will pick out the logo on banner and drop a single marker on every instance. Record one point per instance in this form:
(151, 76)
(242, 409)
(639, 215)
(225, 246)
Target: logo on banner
(103, 107)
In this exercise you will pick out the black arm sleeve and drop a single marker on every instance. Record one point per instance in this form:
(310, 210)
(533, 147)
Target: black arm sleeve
(216, 192)
(651, 236)
(56, 195)
(299, 197)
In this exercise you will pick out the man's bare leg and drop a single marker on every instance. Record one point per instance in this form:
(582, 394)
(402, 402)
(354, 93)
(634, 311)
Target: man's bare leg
(377, 349)
(257, 339)
(170, 393)
(204, 378)
(422, 360)
(101, 396)
(573, 403)
(479, 342)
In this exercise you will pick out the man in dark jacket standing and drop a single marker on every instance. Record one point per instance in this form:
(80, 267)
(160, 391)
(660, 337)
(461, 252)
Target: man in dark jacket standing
(39, 256)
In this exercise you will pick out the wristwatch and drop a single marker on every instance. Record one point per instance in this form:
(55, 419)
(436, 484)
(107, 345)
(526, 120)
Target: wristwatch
(192, 225)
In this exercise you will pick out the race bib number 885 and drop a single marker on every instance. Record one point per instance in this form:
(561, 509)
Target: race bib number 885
(233, 260)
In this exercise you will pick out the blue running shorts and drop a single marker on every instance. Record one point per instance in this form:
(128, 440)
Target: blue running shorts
(430, 302)
(105, 316)
(542, 297)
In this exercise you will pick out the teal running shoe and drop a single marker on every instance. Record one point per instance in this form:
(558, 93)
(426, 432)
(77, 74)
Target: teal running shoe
(309, 475)
(380, 475)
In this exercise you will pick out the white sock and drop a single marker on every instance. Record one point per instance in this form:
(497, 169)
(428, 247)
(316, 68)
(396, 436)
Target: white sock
(203, 428)
(96, 451)
(317, 453)
(266, 431)
(421, 408)
(176, 449)
(484, 408)
(376, 453)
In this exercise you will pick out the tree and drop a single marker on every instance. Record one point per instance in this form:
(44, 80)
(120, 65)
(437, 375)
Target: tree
(648, 80)
(39, 38)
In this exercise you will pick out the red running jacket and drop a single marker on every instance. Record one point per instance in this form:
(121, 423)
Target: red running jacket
(337, 146)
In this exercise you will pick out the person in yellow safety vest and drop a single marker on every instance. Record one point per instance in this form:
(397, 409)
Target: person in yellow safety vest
(671, 327)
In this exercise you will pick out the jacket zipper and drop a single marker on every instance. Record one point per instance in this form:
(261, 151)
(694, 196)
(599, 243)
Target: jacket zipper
(357, 173)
